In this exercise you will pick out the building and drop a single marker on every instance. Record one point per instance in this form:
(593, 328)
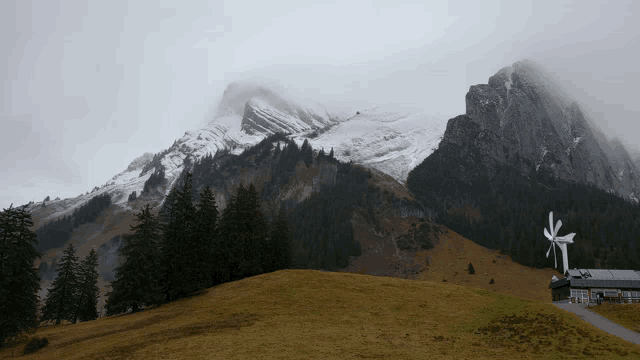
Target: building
(583, 285)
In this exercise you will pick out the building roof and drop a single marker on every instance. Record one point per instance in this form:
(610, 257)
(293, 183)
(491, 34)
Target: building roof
(599, 278)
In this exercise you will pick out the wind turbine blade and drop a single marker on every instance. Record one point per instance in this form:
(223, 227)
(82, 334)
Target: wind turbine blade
(548, 251)
(554, 255)
(566, 238)
(558, 224)
(546, 233)
(551, 221)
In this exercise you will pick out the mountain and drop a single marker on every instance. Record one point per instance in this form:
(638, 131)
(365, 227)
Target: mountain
(387, 143)
(522, 119)
(522, 150)
(390, 142)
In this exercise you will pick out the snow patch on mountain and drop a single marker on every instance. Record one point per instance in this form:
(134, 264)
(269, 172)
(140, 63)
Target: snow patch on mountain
(391, 142)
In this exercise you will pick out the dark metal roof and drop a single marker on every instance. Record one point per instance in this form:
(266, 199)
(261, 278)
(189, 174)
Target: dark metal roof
(599, 278)
(559, 283)
(605, 283)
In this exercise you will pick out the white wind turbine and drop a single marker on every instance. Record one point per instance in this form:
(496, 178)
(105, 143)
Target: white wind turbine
(560, 241)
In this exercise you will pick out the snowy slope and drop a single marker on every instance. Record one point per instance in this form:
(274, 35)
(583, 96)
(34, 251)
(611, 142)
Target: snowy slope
(391, 142)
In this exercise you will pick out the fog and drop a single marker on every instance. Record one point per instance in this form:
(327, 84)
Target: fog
(88, 88)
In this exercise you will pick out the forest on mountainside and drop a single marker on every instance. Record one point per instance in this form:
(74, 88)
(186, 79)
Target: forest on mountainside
(56, 233)
(321, 224)
(191, 247)
(514, 210)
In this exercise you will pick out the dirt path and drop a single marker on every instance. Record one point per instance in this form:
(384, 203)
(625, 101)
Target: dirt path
(600, 322)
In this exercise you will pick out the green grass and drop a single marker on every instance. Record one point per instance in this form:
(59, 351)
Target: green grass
(307, 314)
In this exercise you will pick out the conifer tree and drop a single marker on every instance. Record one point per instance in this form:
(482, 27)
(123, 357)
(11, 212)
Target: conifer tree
(277, 151)
(88, 292)
(306, 152)
(205, 237)
(331, 153)
(168, 243)
(225, 255)
(178, 245)
(19, 280)
(284, 247)
(254, 229)
(136, 282)
(60, 302)
(321, 154)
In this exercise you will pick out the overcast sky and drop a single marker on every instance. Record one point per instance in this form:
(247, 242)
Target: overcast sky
(89, 87)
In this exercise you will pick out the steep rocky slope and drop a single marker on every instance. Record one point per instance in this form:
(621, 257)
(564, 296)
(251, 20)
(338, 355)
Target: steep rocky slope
(522, 119)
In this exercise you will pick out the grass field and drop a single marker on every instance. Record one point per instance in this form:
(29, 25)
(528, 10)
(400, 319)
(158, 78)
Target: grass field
(627, 315)
(308, 314)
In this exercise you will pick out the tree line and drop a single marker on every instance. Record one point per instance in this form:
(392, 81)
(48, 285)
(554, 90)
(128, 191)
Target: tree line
(514, 210)
(56, 233)
(19, 280)
(187, 248)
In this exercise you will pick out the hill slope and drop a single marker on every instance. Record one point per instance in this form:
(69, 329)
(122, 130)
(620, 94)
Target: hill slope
(307, 314)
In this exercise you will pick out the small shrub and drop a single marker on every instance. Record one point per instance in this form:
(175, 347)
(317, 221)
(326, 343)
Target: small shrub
(494, 261)
(471, 269)
(35, 344)
(444, 280)
(492, 281)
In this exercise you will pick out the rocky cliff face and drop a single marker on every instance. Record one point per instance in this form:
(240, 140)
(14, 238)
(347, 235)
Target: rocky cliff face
(522, 119)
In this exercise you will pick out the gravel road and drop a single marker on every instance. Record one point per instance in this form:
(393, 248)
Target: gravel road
(600, 322)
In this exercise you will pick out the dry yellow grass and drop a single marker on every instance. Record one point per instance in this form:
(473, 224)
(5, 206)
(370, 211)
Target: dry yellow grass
(307, 314)
(627, 315)
(453, 253)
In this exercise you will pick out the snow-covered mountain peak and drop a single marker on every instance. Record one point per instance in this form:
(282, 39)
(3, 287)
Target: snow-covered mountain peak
(140, 161)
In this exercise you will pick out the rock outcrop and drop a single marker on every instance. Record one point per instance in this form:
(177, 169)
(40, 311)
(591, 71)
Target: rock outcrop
(524, 120)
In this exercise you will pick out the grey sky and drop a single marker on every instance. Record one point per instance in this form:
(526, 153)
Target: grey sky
(88, 88)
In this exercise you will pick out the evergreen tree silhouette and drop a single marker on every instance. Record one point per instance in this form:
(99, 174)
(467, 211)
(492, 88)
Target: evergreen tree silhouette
(61, 299)
(88, 292)
(471, 269)
(136, 282)
(205, 238)
(281, 251)
(306, 153)
(169, 242)
(19, 280)
(178, 246)
(331, 153)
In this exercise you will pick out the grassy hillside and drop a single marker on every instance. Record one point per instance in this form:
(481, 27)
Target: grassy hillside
(307, 314)
(451, 256)
(627, 315)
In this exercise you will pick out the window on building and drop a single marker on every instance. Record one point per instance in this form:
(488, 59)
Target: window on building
(579, 293)
(626, 294)
(612, 293)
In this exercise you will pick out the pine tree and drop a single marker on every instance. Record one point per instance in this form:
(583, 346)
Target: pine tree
(178, 247)
(277, 151)
(331, 153)
(280, 240)
(19, 280)
(168, 243)
(205, 237)
(306, 152)
(137, 283)
(471, 269)
(60, 302)
(224, 248)
(255, 228)
(88, 292)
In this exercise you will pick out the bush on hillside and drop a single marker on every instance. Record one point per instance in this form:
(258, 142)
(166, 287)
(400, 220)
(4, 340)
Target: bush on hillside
(492, 281)
(35, 344)
(471, 269)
